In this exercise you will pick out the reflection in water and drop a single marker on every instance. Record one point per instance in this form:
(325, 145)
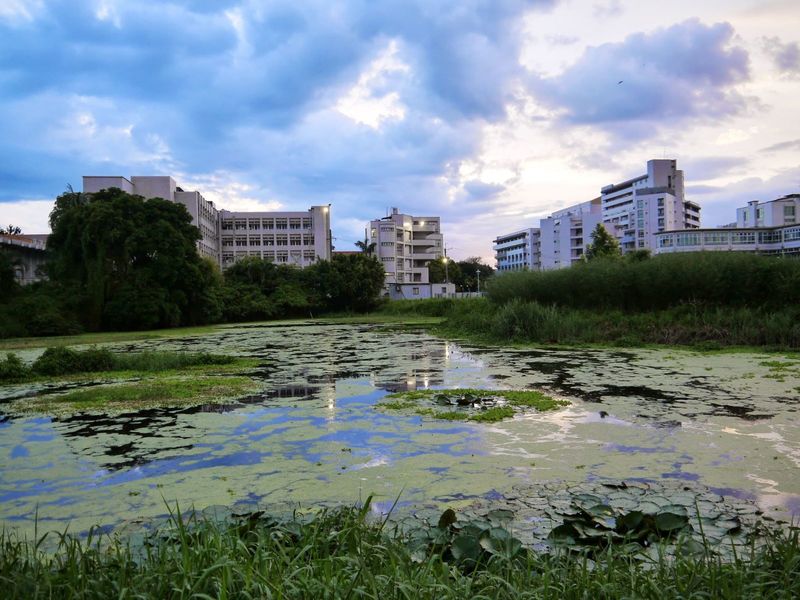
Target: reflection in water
(314, 432)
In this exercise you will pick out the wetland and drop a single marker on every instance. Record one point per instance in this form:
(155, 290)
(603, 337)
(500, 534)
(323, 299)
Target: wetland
(305, 419)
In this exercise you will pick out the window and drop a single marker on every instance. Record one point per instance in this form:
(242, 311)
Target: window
(415, 291)
(295, 240)
(688, 239)
(716, 238)
(269, 223)
(254, 225)
(743, 237)
(387, 243)
(306, 223)
(281, 240)
(280, 224)
(294, 223)
(227, 225)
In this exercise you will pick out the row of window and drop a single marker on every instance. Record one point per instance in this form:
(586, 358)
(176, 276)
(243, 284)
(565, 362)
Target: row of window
(721, 238)
(268, 224)
(278, 240)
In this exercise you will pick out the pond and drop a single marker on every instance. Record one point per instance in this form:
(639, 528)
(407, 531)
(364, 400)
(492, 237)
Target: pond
(316, 435)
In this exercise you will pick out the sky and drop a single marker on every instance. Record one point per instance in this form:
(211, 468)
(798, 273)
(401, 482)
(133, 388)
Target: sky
(488, 113)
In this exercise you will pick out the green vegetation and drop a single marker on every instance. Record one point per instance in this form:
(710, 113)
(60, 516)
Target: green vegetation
(118, 262)
(339, 553)
(706, 300)
(463, 274)
(61, 361)
(481, 406)
(604, 246)
(169, 390)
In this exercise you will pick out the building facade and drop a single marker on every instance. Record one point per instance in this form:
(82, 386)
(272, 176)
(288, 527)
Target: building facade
(633, 211)
(566, 233)
(285, 238)
(27, 253)
(517, 251)
(771, 227)
(292, 238)
(636, 209)
(774, 213)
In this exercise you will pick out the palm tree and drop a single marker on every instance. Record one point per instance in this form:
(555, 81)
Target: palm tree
(366, 246)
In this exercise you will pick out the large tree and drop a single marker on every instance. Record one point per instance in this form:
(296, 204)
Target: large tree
(132, 261)
(347, 282)
(603, 246)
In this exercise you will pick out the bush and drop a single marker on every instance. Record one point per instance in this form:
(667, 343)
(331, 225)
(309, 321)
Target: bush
(58, 361)
(13, 369)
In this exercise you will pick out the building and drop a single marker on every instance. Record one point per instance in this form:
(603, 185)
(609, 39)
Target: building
(27, 253)
(406, 245)
(769, 227)
(293, 238)
(636, 209)
(285, 238)
(566, 233)
(518, 251)
(774, 213)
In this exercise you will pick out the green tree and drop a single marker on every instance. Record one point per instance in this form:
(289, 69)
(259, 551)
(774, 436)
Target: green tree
(366, 246)
(132, 262)
(604, 245)
(347, 282)
(467, 274)
(10, 230)
(438, 274)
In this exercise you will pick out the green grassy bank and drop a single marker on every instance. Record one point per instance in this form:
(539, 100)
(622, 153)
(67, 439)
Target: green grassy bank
(341, 554)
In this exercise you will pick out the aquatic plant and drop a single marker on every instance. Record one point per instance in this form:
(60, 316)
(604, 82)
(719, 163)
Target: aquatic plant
(468, 404)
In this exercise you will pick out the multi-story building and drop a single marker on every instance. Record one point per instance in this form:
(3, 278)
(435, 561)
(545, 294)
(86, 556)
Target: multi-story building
(293, 238)
(288, 238)
(518, 250)
(565, 234)
(771, 227)
(774, 213)
(406, 245)
(636, 209)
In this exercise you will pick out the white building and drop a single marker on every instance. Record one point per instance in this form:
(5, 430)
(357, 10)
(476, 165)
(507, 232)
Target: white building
(518, 250)
(636, 209)
(406, 245)
(775, 213)
(565, 234)
(764, 227)
(293, 238)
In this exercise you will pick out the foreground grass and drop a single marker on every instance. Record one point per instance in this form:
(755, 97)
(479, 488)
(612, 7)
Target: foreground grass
(341, 554)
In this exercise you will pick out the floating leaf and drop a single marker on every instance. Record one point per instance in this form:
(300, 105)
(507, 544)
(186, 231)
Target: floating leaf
(465, 547)
(670, 521)
(448, 518)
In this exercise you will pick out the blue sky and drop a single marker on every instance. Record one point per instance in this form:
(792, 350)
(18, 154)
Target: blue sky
(490, 113)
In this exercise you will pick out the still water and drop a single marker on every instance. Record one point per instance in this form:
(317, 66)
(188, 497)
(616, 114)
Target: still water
(314, 434)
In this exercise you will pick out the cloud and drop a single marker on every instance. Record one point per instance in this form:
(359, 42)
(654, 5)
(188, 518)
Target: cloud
(607, 9)
(787, 145)
(785, 56)
(360, 104)
(634, 87)
(704, 168)
(481, 190)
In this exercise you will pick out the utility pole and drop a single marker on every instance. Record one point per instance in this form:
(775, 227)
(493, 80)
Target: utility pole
(478, 273)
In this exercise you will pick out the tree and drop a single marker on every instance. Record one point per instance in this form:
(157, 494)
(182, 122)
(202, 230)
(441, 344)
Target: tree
(467, 274)
(132, 262)
(366, 246)
(438, 274)
(11, 230)
(603, 246)
(347, 282)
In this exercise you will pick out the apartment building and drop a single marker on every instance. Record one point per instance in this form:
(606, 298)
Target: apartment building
(771, 227)
(292, 238)
(287, 238)
(517, 251)
(406, 245)
(636, 209)
(566, 233)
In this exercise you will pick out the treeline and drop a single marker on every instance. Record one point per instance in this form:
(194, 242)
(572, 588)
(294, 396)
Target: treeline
(117, 261)
(709, 300)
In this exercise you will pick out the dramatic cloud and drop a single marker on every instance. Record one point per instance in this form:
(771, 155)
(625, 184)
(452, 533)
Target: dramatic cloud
(635, 87)
(704, 168)
(356, 103)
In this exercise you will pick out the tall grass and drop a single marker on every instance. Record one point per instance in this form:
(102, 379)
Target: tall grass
(726, 279)
(341, 554)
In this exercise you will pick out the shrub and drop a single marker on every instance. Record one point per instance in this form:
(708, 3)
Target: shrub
(57, 361)
(13, 369)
